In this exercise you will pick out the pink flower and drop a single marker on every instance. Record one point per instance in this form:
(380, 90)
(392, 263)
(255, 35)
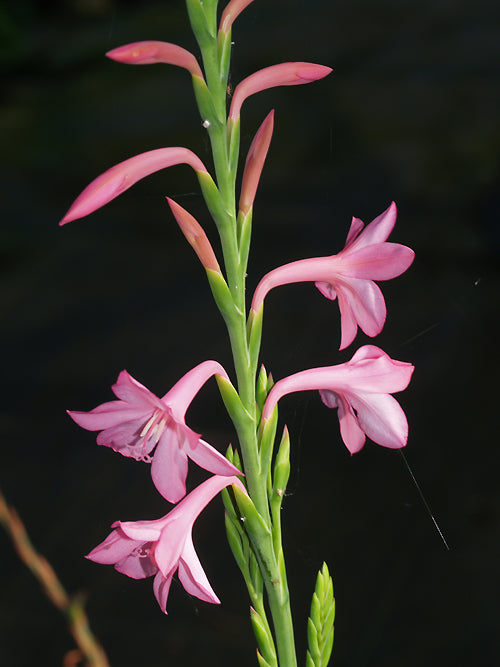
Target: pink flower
(360, 389)
(350, 274)
(284, 74)
(141, 549)
(152, 52)
(254, 163)
(140, 421)
(122, 176)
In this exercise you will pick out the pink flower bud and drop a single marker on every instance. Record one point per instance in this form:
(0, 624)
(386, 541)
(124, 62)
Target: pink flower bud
(255, 162)
(231, 12)
(123, 175)
(152, 52)
(284, 74)
(195, 236)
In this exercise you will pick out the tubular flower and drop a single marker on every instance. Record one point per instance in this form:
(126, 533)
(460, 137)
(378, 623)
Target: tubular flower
(284, 74)
(139, 422)
(360, 389)
(141, 549)
(122, 176)
(152, 52)
(254, 163)
(349, 275)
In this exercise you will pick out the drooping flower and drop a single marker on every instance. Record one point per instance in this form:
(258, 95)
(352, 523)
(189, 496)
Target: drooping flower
(361, 391)
(152, 52)
(141, 549)
(349, 275)
(255, 162)
(284, 74)
(123, 175)
(139, 422)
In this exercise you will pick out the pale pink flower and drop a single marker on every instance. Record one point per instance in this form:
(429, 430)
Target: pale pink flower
(152, 52)
(284, 74)
(255, 162)
(141, 549)
(140, 421)
(360, 389)
(349, 275)
(122, 176)
(231, 12)
(195, 235)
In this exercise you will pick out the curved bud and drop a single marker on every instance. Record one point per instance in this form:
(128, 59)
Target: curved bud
(195, 236)
(122, 176)
(231, 12)
(255, 163)
(284, 74)
(152, 52)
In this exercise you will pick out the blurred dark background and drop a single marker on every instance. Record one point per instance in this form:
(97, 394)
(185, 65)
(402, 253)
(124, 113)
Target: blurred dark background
(411, 114)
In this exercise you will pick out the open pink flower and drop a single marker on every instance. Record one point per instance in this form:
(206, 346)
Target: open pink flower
(360, 389)
(152, 52)
(123, 175)
(142, 549)
(140, 421)
(284, 74)
(349, 275)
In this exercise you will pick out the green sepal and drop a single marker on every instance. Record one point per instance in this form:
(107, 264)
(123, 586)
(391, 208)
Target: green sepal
(262, 662)
(214, 202)
(264, 639)
(320, 630)
(267, 433)
(205, 102)
(244, 228)
(221, 293)
(254, 524)
(281, 472)
(232, 455)
(254, 334)
(201, 16)
(232, 401)
(224, 54)
(234, 538)
(261, 387)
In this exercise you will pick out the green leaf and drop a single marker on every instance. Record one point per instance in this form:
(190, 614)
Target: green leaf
(320, 622)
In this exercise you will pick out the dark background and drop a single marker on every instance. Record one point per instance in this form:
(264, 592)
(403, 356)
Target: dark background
(411, 114)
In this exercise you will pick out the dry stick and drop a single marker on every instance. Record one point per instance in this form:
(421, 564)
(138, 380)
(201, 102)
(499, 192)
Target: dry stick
(72, 607)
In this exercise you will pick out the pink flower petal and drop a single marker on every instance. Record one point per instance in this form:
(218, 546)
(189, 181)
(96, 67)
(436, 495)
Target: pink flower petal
(169, 467)
(381, 418)
(138, 564)
(129, 390)
(126, 439)
(161, 588)
(366, 302)
(107, 415)
(182, 393)
(192, 575)
(207, 457)
(380, 261)
(378, 230)
(114, 548)
(231, 12)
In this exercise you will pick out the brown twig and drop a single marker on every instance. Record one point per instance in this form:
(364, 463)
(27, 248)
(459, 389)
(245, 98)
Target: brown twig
(89, 648)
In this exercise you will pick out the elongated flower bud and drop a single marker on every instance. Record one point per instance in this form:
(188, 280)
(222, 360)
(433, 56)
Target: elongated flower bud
(152, 52)
(122, 176)
(284, 74)
(255, 162)
(195, 236)
(231, 12)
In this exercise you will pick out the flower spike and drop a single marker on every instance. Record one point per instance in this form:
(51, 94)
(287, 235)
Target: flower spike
(195, 236)
(152, 52)
(284, 74)
(139, 422)
(360, 389)
(255, 163)
(123, 175)
(141, 549)
(349, 275)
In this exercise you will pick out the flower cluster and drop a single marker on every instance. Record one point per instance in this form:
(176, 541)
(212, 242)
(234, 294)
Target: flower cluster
(143, 426)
